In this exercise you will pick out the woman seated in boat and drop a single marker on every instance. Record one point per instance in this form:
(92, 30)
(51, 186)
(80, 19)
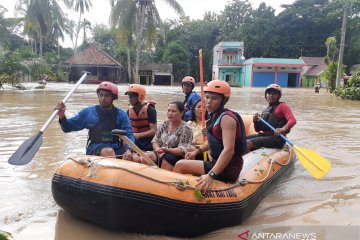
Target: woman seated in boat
(277, 114)
(172, 139)
(226, 141)
(196, 125)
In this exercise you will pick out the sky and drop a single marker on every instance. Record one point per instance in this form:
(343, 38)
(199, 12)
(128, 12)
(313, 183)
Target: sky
(195, 9)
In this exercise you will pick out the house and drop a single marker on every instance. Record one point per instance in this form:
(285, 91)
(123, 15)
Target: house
(229, 65)
(227, 62)
(101, 65)
(312, 71)
(155, 74)
(260, 72)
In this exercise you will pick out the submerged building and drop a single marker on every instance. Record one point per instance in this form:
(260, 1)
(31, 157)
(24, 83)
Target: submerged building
(230, 65)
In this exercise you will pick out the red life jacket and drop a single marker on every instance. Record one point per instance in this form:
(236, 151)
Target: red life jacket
(140, 122)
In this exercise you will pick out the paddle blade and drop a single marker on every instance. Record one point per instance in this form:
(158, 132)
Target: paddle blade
(317, 165)
(27, 150)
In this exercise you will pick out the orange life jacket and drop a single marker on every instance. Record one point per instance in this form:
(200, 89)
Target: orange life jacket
(140, 122)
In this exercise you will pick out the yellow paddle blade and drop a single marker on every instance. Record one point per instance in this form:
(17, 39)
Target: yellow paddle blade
(317, 165)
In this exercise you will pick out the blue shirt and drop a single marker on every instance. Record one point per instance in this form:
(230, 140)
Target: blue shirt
(189, 101)
(89, 118)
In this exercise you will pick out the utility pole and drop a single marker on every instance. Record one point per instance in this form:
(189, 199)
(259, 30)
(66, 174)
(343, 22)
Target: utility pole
(342, 45)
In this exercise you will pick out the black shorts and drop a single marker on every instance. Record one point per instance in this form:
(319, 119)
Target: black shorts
(144, 144)
(97, 151)
(170, 158)
(208, 165)
(266, 141)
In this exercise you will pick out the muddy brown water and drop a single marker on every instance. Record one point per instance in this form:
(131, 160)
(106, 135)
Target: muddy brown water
(326, 124)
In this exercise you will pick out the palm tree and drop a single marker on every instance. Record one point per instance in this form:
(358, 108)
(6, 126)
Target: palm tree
(80, 6)
(69, 27)
(58, 32)
(39, 16)
(85, 25)
(136, 17)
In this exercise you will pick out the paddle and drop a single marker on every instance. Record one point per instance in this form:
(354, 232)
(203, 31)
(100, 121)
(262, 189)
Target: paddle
(313, 162)
(122, 135)
(202, 97)
(25, 153)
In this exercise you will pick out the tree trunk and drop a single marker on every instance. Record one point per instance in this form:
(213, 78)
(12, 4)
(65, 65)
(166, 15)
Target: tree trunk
(58, 47)
(139, 44)
(129, 63)
(41, 43)
(35, 46)
(77, 34)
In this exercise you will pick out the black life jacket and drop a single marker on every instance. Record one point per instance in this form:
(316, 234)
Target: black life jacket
(268, 116)
(214, 135)
(101, 133)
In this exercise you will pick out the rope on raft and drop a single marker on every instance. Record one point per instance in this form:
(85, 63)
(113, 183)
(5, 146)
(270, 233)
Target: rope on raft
(94, 162)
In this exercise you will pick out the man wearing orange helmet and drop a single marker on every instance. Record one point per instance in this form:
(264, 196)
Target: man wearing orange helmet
(100, 120)
(142, 117)
(277, 114)
(226, 141)
(188, 84)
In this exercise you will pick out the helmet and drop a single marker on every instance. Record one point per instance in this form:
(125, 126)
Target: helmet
(218, 86)
(137, 88)
(274, 86)
(109, 87)
(188, 79)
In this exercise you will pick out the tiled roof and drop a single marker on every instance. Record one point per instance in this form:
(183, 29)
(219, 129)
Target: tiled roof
(92, 56)
(314, 65)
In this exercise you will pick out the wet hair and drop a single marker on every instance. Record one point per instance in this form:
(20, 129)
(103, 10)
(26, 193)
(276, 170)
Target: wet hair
(193, 117)
(179, 105)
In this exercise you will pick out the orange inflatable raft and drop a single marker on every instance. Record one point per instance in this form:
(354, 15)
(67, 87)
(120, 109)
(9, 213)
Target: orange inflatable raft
(134, 197)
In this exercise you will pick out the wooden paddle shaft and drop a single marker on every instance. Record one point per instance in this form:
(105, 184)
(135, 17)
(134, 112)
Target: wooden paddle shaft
(136, 149)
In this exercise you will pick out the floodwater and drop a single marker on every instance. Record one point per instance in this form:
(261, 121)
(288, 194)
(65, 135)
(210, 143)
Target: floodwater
(326, 124)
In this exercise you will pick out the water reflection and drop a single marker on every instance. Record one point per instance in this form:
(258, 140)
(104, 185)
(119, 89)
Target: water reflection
(326, 124)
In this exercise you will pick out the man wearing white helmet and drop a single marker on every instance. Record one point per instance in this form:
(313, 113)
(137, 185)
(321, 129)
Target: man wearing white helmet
(100, 120)
(277, 114)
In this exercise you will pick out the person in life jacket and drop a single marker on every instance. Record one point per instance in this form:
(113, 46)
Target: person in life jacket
(142, 117)
(100, 120)
(226, 141)
(277, 114)
(188, 84)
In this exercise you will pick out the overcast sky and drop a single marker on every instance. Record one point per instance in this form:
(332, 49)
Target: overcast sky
(100, 11)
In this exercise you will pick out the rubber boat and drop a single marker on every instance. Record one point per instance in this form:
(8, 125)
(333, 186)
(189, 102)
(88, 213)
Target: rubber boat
(133, 197)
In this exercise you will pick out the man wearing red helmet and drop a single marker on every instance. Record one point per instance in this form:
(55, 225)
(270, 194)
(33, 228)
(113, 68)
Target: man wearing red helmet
(188, 84)
(100, 120)
(142, 117)
(277, 114)
(226, 141)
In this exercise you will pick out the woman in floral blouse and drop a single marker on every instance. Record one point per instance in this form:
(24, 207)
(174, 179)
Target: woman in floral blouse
(172, 139)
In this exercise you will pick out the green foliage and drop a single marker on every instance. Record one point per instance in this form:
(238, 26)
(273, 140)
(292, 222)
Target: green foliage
(331, 68)
(198, 195)
(351, 91)
(232, 20)
(180, 58)
(330, 75)
(332, 50)
(5, 235)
